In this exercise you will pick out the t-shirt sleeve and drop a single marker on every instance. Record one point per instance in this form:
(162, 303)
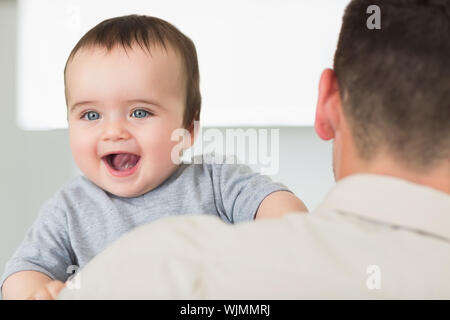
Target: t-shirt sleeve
(46, 247)
(239, 191)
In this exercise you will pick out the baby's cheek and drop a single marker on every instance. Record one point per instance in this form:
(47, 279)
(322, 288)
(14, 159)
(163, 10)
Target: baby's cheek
(84, 152)
(158, 149)
(163, 151)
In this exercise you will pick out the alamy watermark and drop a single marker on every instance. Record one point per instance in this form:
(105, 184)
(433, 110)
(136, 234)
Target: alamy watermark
(74, 280)
(374, 20)
(260, 147)
(373, 282)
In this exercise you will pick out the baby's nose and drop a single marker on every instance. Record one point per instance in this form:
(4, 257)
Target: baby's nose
(114, 131)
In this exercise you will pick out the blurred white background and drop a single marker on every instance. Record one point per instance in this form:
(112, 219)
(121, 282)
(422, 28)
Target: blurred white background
(279, 54)
(259, 59)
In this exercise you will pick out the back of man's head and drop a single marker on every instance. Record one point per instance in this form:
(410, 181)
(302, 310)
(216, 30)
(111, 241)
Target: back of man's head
(395, 81)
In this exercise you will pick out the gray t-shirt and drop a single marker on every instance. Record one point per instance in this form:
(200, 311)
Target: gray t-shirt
(81, 219)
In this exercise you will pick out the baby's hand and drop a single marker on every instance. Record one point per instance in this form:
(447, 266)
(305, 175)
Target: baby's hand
(49, 291)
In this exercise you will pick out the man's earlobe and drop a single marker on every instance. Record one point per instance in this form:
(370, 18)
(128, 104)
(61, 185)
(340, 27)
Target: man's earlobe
(323, 130)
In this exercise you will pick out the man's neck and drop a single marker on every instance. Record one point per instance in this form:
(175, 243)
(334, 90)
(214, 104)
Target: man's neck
(437, 177)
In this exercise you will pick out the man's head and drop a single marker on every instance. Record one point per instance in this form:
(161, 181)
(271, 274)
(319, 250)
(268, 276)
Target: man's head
(129, 83)
(388, 98)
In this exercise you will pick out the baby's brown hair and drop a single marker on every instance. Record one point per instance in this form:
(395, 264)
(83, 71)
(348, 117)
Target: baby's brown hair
(148, 31)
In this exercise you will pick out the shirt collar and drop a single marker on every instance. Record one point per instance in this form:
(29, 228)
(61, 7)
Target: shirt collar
(393, 201)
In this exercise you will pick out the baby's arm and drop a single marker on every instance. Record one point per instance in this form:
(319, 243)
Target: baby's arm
(244, 195)
(30, 285)
(44, 254)
(278, 203)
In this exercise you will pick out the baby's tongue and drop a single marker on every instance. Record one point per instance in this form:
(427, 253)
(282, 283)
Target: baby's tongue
(124, 161)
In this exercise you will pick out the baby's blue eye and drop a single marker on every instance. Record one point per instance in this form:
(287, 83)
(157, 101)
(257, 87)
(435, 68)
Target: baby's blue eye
(91, 115)
(140, 113)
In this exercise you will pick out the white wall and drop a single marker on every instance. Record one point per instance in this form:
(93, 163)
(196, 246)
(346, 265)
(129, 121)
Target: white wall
(34, 164)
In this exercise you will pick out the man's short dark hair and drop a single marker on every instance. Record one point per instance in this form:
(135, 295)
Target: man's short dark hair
(395, 81)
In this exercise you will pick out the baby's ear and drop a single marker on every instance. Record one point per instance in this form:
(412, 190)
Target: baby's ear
(194, 130)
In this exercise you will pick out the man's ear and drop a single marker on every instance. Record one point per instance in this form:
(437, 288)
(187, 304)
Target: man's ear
(328, 106)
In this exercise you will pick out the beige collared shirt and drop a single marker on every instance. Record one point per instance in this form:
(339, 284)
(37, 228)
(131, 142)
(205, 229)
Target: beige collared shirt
(372, 237)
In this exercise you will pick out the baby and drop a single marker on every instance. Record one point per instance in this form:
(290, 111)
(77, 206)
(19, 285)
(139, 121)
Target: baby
(130, 82)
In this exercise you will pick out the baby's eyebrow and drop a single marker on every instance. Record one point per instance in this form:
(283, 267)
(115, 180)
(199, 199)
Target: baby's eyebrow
(146, 101)
(79, 104)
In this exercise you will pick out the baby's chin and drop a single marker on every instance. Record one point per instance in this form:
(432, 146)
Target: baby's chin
(123, 193)
(130, 189)
(126, 191)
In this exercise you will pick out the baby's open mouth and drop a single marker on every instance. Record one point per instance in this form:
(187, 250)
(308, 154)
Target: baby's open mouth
(121, 161)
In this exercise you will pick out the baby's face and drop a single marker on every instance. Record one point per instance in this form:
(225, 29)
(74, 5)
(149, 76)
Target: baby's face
(122, 112)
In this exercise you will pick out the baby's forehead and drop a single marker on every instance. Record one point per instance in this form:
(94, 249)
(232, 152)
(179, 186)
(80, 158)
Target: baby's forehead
(99, 71)
(132, 61)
